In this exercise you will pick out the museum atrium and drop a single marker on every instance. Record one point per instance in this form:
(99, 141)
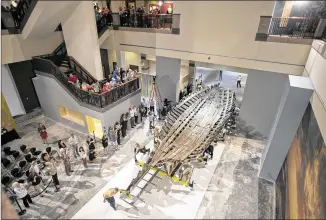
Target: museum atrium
(163, 109)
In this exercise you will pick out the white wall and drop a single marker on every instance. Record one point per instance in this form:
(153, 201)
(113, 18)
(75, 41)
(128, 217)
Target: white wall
(316, 68)
(295, 100)
(15, 48)
(261, 99)
(50, 101)
(10, 92)
(168, 77)
(220, 32)
(80, 34)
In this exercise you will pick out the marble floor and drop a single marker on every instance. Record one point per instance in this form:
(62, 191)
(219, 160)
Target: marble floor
(83, 184)
(229, 80)
(228, 187)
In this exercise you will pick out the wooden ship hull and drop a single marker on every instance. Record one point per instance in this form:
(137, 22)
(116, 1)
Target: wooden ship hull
(188, 130)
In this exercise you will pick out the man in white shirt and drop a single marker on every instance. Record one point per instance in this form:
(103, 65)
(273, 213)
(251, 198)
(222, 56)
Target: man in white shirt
(152, 105)
(145, 105)
(132, 117)
(73, 141)
(239, 81)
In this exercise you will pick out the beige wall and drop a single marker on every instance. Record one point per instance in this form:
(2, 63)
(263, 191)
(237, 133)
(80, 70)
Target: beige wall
(116, 4)
(316, 68)
(15, 48)
(132, 58)
(220, 32)
(81, 38)
(46, 17)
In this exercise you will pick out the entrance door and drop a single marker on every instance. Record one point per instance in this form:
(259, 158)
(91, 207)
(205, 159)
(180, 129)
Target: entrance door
(94, 127)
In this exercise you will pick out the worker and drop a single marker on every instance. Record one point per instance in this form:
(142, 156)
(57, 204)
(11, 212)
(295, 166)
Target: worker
(186, 171)
(142, 149)
(108, 195)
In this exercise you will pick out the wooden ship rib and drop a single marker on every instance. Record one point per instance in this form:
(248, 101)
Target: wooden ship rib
(189, 129)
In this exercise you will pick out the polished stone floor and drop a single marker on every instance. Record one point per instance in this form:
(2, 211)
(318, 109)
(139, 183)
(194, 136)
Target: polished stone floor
(83, 184)
(228, 187)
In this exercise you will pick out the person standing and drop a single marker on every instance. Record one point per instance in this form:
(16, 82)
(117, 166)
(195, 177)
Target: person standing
(42, 131)
(91, 148)
(118, 131)
(152, 105)
(132, 117)
(125, 123)
(73, 141)
(105, 143)
(64, 153)
(145, 105)
(123, 129)
(34, 169)
(52, 169)
(82, 155)
(22, 193)
(108, 196)
(151, 120)
(142, 112)
(221, 75)
(239, 78)
(136, 115)
(36, 182)
(112, 136)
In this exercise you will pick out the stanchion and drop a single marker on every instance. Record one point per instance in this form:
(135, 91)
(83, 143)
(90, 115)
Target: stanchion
(21, 211)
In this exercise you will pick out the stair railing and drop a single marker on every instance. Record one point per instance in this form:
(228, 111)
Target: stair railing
(81, 71)
(15, 20)
(99, 100)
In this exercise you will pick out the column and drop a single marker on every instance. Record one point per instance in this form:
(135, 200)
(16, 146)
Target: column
(168, 77)
(291, 109)
(80, 35)
(115, 5)
(192, 73)
(121, 59)
(261, 98)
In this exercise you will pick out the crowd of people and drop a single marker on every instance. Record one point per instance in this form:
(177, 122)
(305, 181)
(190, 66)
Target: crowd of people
(143, 18)
(13, 9)
(131, 17)
(118, 77)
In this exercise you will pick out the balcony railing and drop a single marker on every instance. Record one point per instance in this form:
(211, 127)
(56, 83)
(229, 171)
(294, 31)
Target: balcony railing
(15, 20)
(153, 21)
(98, 100)
(293, 27)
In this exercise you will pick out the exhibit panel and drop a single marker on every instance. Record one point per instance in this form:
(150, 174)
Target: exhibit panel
(301, 184)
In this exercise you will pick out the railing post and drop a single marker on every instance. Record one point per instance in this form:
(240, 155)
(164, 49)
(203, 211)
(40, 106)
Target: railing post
(320, 28)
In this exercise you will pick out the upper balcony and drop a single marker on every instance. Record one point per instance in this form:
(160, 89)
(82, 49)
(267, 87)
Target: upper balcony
(153, 23)
(13, 20)
(297, 30)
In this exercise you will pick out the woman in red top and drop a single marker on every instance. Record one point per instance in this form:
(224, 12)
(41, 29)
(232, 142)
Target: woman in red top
(42, 131)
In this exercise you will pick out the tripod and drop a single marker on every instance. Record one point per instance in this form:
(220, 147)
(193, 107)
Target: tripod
(155, 95)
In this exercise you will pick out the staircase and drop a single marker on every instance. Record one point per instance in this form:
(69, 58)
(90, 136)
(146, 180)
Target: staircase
(65, 66)
(60, 65)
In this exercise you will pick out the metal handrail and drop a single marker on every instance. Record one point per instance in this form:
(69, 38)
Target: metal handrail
(99, 100)
(293, 26)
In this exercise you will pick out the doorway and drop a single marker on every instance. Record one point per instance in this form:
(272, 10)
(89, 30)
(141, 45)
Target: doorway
(94, 127)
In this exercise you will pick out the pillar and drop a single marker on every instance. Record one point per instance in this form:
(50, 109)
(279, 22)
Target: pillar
(261, 98)
(121, 59)
(168, 77)
(291, 109)
(116, 4)
(80, 34)
(192, 72)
